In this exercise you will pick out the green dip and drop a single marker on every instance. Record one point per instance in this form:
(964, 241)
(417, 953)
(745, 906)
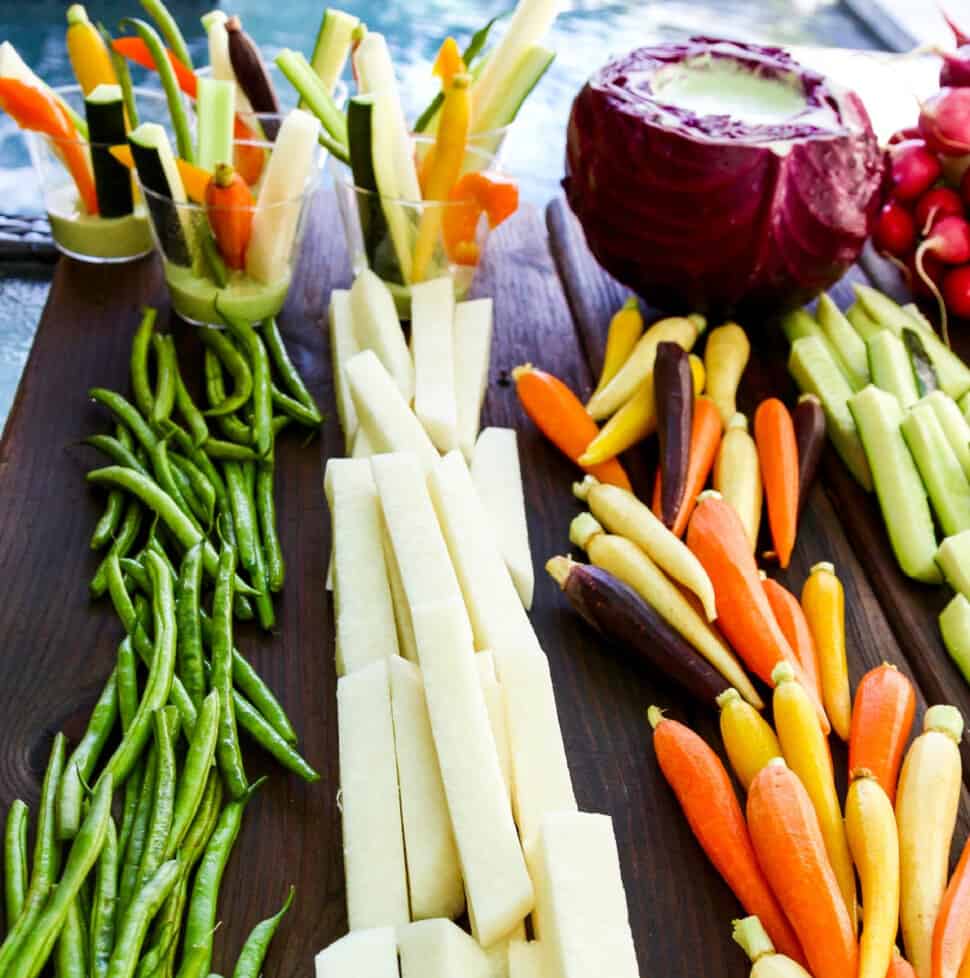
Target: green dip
(87, 236)
(194, 296)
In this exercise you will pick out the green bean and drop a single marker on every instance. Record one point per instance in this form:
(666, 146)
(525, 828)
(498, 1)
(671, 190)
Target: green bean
(235, 363)
(117, 452)
(132, 852)
(165, 378)
(261, 383)
(123, 75)
(36, 948)
(201, 485)
(165, 477)
(287, 369)
(130, 528)
(81, 763)
(243, 517)
(46, 857)
(201, 919)
(196, 961)
(232, 427)
(195, 507)
(15, 872)
(253, 723)
(138, 917)
(230, 451)
(228, 753)
(104, 905)
(254, 951)
(126, 677)
(280, 421)
(152, 960)
(190, 411)
(166, 75)
(129, 808)
(164, 801)
(192, 783)
(161, 672)
(190, 669)
(125, 412)
(170, 30)
(294, 409)
(106, 526)
(266, 515)
(141, 345)
(71, 952)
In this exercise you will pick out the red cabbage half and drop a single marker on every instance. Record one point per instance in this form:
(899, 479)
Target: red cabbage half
(699, 203)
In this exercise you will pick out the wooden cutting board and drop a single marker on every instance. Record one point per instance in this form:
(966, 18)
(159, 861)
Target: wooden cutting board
(58, 646)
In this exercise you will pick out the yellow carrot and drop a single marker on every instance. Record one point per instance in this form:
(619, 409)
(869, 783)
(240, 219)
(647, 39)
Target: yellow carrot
(725, 358)
(737, 476)
(698, 373)
(87, 51)
(626, 327)
(806, 751)
(749, 741)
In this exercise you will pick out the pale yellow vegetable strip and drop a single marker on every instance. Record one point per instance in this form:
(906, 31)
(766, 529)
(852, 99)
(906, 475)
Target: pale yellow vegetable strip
(625, 560)
(725, 357)
(737, 476)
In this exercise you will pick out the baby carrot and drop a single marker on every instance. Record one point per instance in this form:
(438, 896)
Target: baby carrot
(788, 843)
(703, 788)
(561, 417)
(823, 600)
(791, 620)
(806, 750)
(705, 438)
(718, 540)
(871, 829)
(230, 207)
(626, 327)
(951, 934)
(749, 741)
(774, 434)
(882, 719)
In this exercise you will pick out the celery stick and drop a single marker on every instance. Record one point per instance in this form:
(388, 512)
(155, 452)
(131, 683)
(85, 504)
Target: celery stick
(332, 47)
(318, 100)
(216, 110)
(503, 106)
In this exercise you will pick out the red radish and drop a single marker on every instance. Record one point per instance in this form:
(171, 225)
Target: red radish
(958, 34)
(955, 71)
(950, 242)
(913, 169)
(956, 291)
(904, 135)
(944, 121)
(965, 187)
(934, 269)
(936, 203)
(895, 231)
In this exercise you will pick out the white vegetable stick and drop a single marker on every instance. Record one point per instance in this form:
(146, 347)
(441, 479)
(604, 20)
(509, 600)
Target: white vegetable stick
(498, 618)
(343, 346)
(280, 202)
(434, 876)
(377, 328)
(432, 345)
(498, 479)
(498, 953)
(383, 413)
(402, 611)
(473, 352)
(495, 704)
(364, 609)
(540, 774)
(525, 960)
(377, 888)
(440, 949)
(581, 900)
(361, 447)
(361, 954)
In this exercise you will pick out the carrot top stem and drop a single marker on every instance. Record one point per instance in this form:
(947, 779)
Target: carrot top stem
(558, 569)
(654, 716)
(944, 719)
(753, 938)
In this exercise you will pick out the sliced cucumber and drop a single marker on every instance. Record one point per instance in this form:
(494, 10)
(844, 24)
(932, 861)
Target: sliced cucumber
(215, 109)
(955, 628)
(373, 224)
(953, 558)
(846, 342)
(953, 373)
(955, 426)
(939, 468)
(815, 371)
(901, 493)
(504, 107)
(861, 322)
(965, 406)
(916, 314)
(333, 45)
(105, 111)
(800, 323)
(923, 369)
(891, 368)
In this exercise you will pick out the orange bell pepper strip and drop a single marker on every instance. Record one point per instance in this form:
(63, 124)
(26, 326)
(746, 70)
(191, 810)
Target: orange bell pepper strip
(35, 110)
(194, 178)
(134, 49)
(472, 196)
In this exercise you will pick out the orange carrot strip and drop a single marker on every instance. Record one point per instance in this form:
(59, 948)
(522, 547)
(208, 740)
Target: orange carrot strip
(706, 795)
(882, 719)
(774, 434)
(475, 194)
(951, 934)
(788, 842)
(794, 625)
(230, 206)
(899, 967)
(561, 417)
(135, 49)
(705, 439)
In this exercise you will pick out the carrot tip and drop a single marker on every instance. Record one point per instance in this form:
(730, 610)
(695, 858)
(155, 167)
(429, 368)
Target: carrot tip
(728, 696)
(944, 719)
(823, 567)
(709, 494)
(558, 569)
(753, 938)
(583, 528)
(520, 371)
(654, 716)
(782, 673)
(582, 489)
(860, 774)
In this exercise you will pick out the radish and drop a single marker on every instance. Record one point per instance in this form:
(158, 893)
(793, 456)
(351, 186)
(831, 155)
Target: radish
(965, 187)
(944, 121)
(904, 135)
(956, 291)
(895, 231)
(950, 243)
(955, 70)
(936, 203)
(913, 169)
(959, 35)
(934, 269)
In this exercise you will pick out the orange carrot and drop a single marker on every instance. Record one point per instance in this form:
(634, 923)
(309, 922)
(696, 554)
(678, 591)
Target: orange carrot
(794, 625)
(951, 933)
(717, 537)
(475, 194)
(788, 842)
(136, 50)
(248, 155)
(882, 719)
(229, 206)
(34, 109)
(774, 434)
(703, 788)
(561, 417)
(899, 967)
(705, 438)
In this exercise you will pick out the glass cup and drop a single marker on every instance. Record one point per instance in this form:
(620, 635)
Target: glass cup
(77, 233)
(201, 282)
(404, 241)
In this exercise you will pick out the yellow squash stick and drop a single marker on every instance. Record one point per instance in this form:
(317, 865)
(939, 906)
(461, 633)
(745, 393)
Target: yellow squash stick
(626, 327)
(88, 52)
(807, 753)
(737, 476)
(443, 166)
(626, 561)
(748, 738)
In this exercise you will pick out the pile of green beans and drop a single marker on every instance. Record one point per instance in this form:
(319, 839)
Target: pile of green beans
(137, 823)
